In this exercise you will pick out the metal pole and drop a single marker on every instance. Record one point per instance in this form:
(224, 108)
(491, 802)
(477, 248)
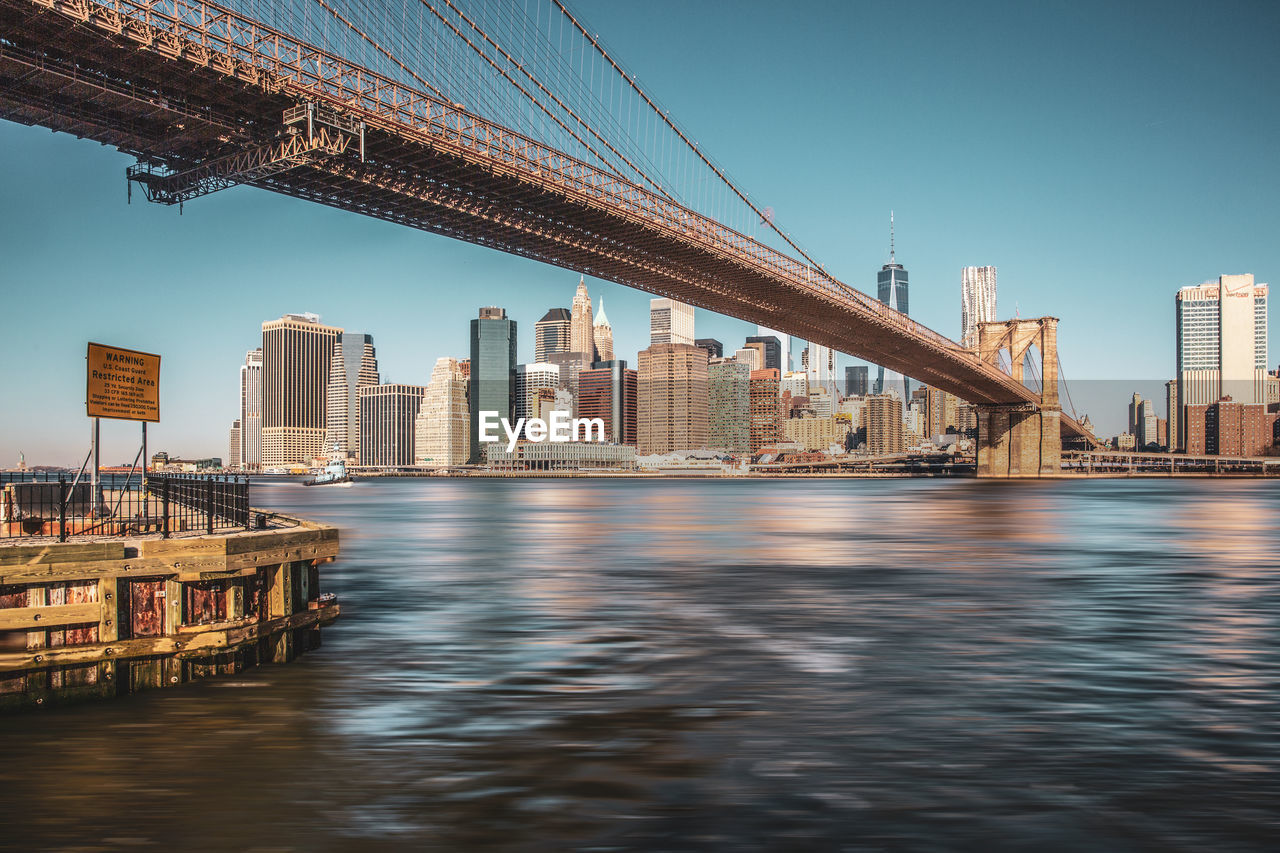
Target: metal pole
(146, 516)
(97, 423)
(164, 482)
(208, 505)
(62, 507)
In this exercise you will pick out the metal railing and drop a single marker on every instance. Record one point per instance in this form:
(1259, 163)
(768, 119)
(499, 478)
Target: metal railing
(55, 505)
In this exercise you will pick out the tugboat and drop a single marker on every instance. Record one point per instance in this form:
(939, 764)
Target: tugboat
(334, 474)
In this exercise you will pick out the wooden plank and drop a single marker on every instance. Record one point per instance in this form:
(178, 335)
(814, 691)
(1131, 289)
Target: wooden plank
(293, 538)
(59, 552)
(49, 616)
(182, 645)
(316, 551)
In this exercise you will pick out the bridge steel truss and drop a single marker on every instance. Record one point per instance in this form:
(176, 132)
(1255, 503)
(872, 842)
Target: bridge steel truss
(188, 86)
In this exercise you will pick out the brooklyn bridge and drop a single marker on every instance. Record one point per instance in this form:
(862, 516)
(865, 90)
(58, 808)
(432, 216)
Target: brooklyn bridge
(503, 125)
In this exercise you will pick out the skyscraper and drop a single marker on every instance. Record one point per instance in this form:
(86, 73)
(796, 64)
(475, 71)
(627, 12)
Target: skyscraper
(671, 398)
(714, 348)
(728, 405)
(493, 371)
(388, 415)
(891, 283)
(1173, 412)
(608, 391)
(551, 334)
(582, 336)
(883, 415)
(670, 322)
(1222, 344)
(603, 335)
(234, 447)
(529, 378)
(977, 302)
(442, 429)
(772, 351)
(820, 365)
(856, 380)
(766, 409)
(784, 341)
(297, 352)
(355, 365)
(250, 454)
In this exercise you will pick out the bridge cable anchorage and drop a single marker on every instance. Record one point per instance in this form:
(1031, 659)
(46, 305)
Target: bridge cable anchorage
(324, 133)
(685, 139)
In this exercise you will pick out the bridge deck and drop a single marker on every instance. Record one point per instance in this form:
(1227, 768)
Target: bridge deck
(178, 83)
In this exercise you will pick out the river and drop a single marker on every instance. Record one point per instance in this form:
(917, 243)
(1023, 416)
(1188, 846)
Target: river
(720, 665)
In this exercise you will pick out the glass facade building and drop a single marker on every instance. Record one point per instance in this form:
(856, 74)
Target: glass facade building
(493, 371)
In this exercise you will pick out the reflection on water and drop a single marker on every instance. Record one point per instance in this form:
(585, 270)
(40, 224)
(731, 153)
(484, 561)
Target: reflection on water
(718, 665)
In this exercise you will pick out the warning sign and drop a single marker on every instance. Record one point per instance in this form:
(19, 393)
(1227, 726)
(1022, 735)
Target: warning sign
(123, 384)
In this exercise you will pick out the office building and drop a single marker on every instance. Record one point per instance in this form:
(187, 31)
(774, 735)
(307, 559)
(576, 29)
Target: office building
(388, 417)
(1173, 412)
(608, 391)
(671, 398)
(442, 429)
(795, 383)
(817, 433)
(250, 452)
(1222, 344)
(820, 365)
(784, 341)
(603, 335)
(856, 380)
(752, 357)
(714, 348)
(492, 385)
(765, 403)
(529, 378)
(883, 416)
(551, 334)
(297, 352)
(892, 290)
(977, 302)
(355, 365)
(772, 351)
(670, 322)
(728, 406)
(940, 412)
(582, 335)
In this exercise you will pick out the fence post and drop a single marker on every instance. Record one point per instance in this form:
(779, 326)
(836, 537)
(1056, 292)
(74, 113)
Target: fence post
(62, 507)
(208, 504)
(244, 496)
(165, 497)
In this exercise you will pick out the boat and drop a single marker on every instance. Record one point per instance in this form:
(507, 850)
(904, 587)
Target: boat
(333, 474)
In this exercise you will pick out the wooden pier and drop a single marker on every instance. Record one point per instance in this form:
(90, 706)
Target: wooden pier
(110, 616)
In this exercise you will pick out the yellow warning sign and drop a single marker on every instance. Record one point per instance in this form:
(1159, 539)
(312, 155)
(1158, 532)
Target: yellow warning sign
(123, 384)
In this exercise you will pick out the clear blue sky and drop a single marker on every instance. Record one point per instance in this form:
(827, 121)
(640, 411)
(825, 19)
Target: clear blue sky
(1100, 154)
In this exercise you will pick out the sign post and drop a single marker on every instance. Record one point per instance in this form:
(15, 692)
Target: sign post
(123, 384)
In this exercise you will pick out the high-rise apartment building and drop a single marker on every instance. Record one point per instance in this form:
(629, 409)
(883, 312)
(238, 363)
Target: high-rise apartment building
(608, 391)
(752, 357)
(582, 336)
(355, 365)
(250, 453)
(297, 352)
(1173, 412)
(233, 447)
(529, 378)
(728, 406)
(442, 429)
(796, 382)
(765, 409)
(670, 322)
(882, 414)
(856, 380)
(671, 398)
(603, 335)
(977, 302)
(1222, 343)
(493, 372)
(388, 416)
(940, 412)
(551, 334)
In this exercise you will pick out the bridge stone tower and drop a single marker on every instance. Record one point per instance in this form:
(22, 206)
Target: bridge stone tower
(1021, 439)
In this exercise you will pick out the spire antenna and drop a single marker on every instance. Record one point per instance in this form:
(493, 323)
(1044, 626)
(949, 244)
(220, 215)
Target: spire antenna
(891, 236)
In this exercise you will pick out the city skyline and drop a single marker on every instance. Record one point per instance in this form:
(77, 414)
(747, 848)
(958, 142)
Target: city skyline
(1111, 277)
